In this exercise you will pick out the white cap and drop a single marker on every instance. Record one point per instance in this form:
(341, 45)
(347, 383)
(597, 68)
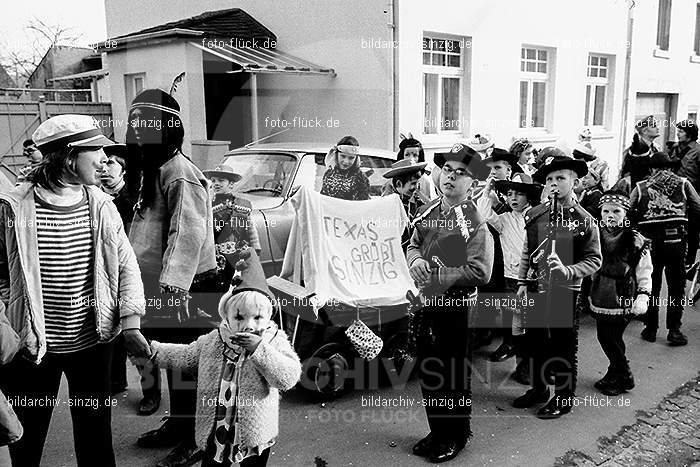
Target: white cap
(71, 131)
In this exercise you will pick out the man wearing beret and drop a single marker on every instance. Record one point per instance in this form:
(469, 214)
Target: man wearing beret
(449, 256)
(562, 247)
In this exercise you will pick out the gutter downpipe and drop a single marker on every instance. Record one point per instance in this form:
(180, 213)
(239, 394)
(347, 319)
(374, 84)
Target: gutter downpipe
(626, 91)
(393, 79)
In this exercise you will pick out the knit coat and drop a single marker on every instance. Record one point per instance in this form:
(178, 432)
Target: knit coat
(274, 366)
(349, 184)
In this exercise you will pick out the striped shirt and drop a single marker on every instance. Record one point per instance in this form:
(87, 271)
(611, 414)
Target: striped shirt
(66, 258)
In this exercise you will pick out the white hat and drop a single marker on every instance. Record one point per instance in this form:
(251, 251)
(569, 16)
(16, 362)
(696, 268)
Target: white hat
(71, 131)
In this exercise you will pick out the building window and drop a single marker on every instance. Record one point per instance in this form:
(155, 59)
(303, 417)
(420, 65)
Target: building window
(663, 29)
(134, 84)
(696, 45)
(443, 72)
(597, 90)
(535, 86)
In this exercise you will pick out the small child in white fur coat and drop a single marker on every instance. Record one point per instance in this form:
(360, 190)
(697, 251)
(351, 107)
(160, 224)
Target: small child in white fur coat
(240, 368)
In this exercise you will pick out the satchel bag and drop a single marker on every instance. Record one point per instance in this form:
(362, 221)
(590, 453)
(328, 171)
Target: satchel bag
(367, 343)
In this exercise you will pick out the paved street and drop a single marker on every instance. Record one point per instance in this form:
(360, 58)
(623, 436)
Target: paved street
(345, 433)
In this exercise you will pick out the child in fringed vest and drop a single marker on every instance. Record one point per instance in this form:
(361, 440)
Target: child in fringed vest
(242, 366)
(619, 289)
(520, 194)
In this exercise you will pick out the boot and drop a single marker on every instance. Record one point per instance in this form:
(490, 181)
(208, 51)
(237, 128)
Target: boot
(676, 338)
(609, 376)
(186, 453)
(505, 351)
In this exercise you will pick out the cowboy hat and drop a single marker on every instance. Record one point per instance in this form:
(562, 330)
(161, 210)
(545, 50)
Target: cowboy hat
(223, 171)
(522, 183)
(467, 155)
(499, 154)
(555, 159)
(404, 167)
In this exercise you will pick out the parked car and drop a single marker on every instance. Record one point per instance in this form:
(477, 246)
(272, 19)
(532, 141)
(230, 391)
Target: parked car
(271, 175)
(273, 172)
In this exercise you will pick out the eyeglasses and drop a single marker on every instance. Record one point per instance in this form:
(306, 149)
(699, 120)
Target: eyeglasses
(447, 170)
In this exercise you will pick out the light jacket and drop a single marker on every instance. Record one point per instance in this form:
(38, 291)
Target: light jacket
(117, 288)
(173, 238)
(274, 366)
(10, 428)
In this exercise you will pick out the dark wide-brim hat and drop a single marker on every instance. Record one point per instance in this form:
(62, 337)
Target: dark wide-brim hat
(520, 182)
(465, 154)
(404, 167)
(223, 171)
(555, 159)
(499, 154)
(661, 160)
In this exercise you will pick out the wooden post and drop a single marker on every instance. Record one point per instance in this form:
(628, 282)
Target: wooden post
(42, 109)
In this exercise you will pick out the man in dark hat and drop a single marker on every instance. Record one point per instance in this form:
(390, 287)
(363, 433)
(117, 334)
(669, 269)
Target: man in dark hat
(449, 256)
(635, 158)
(233, 229)
(404, 176)
(661, 206)
(687, 151)
(562, 247)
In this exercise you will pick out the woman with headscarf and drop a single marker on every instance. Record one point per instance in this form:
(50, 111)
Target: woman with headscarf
(71, 283)
(522, 148)
(174, 244)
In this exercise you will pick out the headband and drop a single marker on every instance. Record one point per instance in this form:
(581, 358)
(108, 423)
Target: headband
(612, 198)
(162, 108)
(348, 149)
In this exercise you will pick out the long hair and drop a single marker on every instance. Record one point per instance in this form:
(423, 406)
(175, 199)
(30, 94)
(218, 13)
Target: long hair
(332, 156)
(54, 167)
(148, 157)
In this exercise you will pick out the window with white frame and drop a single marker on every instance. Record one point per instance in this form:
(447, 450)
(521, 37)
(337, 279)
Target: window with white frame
(597, 89)
(443, 72)
(535, 86)
(134, 83)
(663, 25)
(696, 41)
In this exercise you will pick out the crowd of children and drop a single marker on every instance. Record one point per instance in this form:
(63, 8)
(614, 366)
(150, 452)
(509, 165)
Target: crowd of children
(546, 228)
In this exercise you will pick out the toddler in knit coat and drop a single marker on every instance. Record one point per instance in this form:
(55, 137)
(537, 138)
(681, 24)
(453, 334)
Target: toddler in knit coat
(240, 368)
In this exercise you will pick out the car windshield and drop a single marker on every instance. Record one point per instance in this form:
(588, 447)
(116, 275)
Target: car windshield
(262, 174)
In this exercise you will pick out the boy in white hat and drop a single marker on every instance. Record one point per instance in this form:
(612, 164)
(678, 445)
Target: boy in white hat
(405, 175)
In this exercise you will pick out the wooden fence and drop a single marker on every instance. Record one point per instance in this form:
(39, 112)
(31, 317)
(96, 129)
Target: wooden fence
(19, 119)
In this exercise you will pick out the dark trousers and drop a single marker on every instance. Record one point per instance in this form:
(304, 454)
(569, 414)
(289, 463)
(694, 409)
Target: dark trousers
(669, 257)
(119, 363)
(161, 326)
(88, 375)
(693, 241)
(610, 331)
(552, 336)
(444, 356)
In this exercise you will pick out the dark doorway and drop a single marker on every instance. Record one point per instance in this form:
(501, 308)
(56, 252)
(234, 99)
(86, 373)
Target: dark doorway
(227, 102)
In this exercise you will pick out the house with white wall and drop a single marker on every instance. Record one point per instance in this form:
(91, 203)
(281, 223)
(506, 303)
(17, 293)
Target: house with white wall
(443, 70)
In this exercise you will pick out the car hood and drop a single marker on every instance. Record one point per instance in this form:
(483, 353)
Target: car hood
(261, 202)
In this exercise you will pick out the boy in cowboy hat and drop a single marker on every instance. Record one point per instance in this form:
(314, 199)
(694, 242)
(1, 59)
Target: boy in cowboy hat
(521, 194)
(502, 165)
(552, 323)
(662, 206)
(404, 176)
(449, 256)
(232, 225)
(620, 289)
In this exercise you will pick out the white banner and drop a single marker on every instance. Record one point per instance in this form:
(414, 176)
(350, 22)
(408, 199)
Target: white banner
(350, 250)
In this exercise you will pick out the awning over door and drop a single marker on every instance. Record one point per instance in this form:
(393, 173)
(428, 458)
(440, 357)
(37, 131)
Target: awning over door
(260, 60)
